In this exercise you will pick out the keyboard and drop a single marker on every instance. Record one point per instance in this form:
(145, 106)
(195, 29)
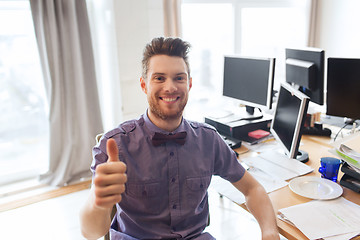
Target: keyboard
(278, 165)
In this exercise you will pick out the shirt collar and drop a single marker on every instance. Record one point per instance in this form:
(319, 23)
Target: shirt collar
(153, 128)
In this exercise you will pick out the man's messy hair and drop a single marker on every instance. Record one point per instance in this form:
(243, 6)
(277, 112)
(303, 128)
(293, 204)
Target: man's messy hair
(165, 46)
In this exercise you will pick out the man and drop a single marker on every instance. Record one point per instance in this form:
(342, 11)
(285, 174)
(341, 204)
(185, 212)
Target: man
(168, 162)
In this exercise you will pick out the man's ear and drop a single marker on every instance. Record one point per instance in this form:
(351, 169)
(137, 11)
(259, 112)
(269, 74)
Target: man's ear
(190, 83)
(143, 85)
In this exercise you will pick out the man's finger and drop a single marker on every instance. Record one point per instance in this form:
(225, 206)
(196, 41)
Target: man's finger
(112, 150)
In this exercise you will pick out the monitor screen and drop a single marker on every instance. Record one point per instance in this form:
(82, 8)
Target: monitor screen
(305, 71)
(289, 116)
(249, 80)
(343, 88)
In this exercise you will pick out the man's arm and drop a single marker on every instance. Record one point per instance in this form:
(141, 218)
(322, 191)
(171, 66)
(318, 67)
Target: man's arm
(259, 204)
(94, 221)
(108, 184)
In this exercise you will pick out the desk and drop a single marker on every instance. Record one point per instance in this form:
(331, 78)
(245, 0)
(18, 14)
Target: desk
(317, 147)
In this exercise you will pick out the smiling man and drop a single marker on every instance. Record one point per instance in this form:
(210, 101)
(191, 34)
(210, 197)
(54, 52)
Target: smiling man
(156, 169)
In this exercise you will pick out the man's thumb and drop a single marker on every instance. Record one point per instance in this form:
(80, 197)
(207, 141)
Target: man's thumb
(112, 151)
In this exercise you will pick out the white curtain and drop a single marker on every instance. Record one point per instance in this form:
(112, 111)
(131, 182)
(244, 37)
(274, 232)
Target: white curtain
(63, 36)
(172, 18)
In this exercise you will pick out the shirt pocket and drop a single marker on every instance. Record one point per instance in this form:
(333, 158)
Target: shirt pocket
(197, 192)
(143, 189)
(143, 198)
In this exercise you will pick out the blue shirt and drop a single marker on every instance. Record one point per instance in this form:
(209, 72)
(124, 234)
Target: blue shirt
(166, 192)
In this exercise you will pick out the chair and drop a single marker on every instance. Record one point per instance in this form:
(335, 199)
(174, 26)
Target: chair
(113, 211)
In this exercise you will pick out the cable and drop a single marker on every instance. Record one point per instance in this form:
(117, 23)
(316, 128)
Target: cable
(340, 130)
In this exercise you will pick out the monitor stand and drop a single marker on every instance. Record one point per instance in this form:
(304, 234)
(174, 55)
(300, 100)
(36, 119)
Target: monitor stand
(302, 156)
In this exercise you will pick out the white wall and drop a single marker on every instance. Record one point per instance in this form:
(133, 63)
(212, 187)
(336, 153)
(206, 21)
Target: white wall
(137, 22)
(338, 28)
(120, 31)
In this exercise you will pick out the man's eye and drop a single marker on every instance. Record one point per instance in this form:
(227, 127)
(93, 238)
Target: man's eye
(179, 78)
(159, 78)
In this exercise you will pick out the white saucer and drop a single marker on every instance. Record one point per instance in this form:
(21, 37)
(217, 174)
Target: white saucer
(315, 188)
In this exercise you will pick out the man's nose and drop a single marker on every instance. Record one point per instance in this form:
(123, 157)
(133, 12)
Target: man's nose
(170, 85)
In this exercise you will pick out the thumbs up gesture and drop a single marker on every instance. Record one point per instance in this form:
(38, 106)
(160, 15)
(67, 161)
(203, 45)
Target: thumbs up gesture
(110, 178)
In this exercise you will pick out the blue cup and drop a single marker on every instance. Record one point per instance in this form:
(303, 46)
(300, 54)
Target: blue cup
(329, 168)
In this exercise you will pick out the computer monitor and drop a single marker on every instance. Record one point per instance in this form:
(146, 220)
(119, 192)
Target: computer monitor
(289, 116)
(343, 88)
(305, 71)
(249, 80)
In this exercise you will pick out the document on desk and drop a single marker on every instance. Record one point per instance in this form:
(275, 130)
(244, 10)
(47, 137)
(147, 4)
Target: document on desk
(278, 166)
(226, 189)
(270, 168)
(330, 219)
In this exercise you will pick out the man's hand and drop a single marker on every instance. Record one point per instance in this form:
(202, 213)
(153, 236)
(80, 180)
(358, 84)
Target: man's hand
(110, 178)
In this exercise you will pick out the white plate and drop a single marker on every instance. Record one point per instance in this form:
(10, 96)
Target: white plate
(315, 187)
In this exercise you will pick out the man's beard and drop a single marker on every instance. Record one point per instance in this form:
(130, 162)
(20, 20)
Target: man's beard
(157, 111)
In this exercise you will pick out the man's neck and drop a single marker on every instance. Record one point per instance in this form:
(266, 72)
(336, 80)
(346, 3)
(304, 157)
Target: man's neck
(167, 125)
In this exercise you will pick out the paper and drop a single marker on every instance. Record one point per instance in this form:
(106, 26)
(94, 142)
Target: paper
(267, 181)
(228, 190)
(351, 141)
(346, 236)
(321, 219)
(350, 156)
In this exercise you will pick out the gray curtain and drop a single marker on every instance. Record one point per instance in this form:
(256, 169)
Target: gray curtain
(63, 36)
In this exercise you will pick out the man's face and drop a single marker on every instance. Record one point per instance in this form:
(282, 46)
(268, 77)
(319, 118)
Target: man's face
(167, 86)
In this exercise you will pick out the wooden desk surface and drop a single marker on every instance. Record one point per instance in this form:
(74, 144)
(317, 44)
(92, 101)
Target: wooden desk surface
(317, 147)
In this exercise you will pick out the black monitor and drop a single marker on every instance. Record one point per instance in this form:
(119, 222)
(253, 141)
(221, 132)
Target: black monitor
(249, 80)
(305, 71)
(288, 121)
(343, 88)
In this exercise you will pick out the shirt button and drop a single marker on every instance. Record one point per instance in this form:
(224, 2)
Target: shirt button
(173, 180)
(171, 153)
(174, 206)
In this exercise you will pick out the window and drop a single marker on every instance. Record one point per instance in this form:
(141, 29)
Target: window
(23, 124)
(266, 32)
(261, 28)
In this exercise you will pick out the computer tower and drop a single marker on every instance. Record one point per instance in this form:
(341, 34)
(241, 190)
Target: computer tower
(239, 129)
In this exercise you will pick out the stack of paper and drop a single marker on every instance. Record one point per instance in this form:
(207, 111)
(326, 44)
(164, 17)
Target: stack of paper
(337, 219)
(349, 155)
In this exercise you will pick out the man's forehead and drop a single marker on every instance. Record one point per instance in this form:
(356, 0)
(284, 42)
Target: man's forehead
(166, 64)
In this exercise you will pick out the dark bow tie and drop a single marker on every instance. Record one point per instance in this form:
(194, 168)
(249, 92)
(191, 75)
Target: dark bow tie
(160, 138)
